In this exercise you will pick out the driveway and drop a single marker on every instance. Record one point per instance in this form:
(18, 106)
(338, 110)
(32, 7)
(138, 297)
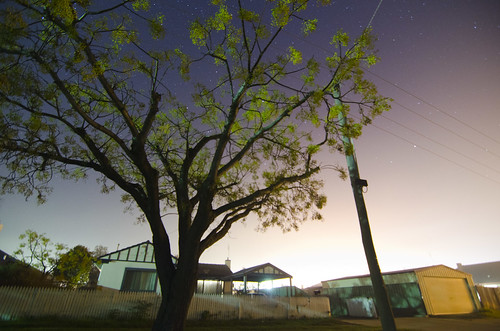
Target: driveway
(436, 323)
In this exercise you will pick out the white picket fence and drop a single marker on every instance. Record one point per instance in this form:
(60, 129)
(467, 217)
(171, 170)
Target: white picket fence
(19, 302)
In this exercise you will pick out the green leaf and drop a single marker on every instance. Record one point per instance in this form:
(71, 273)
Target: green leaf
(309, 26)
(295, 55)
(156, 27)
(313, 149)
(139, 5)
(340, 38)
(63, 9)
(371, 59)
(198, 33)
(281, 14)
(248, 15)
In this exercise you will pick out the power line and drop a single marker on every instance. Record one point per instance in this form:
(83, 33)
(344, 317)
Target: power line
(436, 154)
(422, 100)
(448, 130)
(421, 116)
(433, 140)
(443, 145)
(482, 148)
(409, 93)
(432, 106)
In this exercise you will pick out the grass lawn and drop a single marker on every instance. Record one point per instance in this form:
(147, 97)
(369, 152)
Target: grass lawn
(57, 324)
(236, 325)
(282, 325)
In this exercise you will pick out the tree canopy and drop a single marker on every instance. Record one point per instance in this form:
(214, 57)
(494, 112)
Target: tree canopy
(38, 251)
(53, 262)
(73, 267)
(90, 86)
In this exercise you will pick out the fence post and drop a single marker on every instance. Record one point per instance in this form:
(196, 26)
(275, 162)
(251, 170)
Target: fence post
(240, 310)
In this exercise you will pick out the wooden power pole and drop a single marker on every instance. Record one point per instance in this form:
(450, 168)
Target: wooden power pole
(382, 300)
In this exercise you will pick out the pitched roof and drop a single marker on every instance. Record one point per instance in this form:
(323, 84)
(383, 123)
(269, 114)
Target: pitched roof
(213, 271)
(259, 273)
(6, 258)
(142, 252)
(399, 272)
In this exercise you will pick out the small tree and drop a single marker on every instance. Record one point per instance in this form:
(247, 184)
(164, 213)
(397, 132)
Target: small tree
(73, 267)
(38, 251)
(79, 93)
(99, 251)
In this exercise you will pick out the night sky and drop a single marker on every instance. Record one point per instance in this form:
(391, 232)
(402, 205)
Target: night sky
(432, 163)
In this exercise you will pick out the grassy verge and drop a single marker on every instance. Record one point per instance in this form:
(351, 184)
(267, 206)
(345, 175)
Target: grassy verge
(483, 313)
(136, 325)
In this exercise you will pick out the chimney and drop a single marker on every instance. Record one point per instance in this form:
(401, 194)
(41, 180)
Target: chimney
(228, 263)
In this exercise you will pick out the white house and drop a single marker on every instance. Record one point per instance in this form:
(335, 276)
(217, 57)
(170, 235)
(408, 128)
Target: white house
(130, 269)
(133, 269)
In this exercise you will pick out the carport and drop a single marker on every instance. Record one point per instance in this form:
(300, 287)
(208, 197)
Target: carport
(258, 274)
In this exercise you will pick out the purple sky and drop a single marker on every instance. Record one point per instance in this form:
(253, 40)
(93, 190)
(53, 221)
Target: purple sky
(432, 162)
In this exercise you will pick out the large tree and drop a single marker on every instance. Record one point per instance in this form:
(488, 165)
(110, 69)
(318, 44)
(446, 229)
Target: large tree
(84, 87)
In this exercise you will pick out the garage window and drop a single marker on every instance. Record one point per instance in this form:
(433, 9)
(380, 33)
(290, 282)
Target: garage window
(139, 280)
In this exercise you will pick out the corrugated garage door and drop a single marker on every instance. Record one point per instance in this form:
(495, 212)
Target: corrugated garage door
(448, 295)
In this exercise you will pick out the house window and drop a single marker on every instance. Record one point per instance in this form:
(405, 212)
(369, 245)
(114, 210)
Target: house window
(139, 280)
(210, 287)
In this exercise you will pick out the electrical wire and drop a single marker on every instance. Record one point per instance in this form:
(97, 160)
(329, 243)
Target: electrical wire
(442, 145)
(421, 116)
(447, 130)
(432, 106)
(436, 154)
(410, 93)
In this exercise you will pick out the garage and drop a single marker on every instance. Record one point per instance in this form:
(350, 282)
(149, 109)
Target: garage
(446, 291)
(433, 290)
(448, 296)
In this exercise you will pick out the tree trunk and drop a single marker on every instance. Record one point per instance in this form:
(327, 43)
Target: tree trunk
(174, 307)
(177, 291)
(178, 282)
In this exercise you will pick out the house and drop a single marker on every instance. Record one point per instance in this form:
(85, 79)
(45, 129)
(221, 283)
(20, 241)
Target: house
(133, 269)
(17, 273)
(212, 278)
(130, 269)
(433, 290)
(7, 259)
(484, 274)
